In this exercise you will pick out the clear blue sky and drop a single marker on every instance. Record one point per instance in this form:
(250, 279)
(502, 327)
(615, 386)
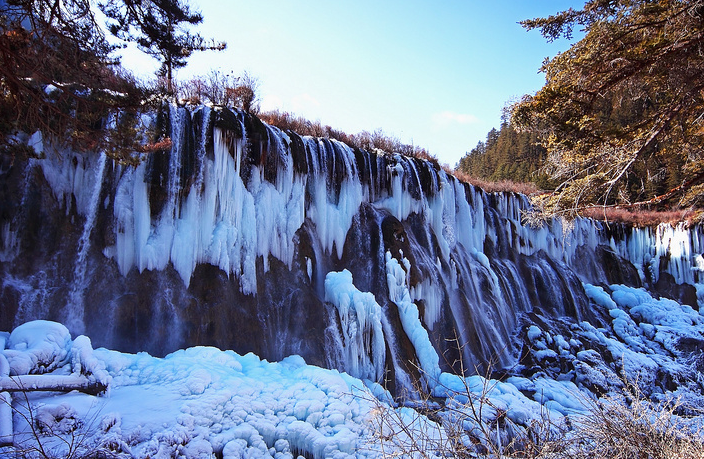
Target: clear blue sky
(433, 73)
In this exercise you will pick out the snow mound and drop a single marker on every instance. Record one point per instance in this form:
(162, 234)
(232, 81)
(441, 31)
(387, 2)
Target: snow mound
(42, 347)
(197, 402)
(38, 347)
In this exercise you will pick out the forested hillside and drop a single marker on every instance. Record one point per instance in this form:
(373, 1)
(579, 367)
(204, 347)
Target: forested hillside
(518, 155)
(507, 155)
(618, 123)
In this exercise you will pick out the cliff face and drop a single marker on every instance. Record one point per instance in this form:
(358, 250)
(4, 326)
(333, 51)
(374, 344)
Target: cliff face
(239, 237)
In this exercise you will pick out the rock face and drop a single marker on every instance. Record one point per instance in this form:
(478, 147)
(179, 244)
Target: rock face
(227, 240)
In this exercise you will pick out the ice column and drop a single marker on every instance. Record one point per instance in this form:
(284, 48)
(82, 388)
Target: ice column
(410, 319)
(360, 320)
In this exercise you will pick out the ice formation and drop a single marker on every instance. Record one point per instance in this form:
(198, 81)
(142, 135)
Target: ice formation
(360, 322)
(202, 402)
(245, 237)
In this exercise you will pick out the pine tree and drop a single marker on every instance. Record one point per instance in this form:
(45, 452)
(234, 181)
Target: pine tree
(623, 105)
(160, 29)
(506, 155)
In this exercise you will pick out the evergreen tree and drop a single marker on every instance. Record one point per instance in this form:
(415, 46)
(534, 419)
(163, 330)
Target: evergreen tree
(620, 112)
(160, 29)
(491, 138)
(506, 155)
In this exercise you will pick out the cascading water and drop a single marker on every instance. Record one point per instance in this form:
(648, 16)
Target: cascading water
(74, 306)
(228, 238)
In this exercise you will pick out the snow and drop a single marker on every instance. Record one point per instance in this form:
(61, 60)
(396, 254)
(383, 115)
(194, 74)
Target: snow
(6, 430)
(534, 332)
(563, 397)
(661, 311)
(4, 365)
(202, 402)
(39, 346)
(599, 296)
(83, 361)
(5, 401)
(60, 419)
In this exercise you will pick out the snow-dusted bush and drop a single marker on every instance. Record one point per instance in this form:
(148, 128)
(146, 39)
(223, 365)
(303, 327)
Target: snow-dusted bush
(474, 423)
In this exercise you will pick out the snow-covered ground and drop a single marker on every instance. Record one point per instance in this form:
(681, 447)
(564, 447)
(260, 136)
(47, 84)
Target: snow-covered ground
(204, 402)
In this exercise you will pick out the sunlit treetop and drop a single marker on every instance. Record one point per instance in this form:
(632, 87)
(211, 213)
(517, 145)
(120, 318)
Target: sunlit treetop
(622, 111)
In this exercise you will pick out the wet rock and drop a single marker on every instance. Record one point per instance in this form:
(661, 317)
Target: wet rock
(666, 287)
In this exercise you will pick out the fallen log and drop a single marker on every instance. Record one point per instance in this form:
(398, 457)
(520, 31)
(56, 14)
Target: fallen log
(51, 383)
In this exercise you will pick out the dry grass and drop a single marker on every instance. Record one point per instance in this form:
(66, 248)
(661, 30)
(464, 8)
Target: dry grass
(502, 186)
(641, 218)
(468, 425)
(630, 426)
(612, 428)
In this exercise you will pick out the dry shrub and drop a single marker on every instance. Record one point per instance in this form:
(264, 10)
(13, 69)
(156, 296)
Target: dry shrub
(365, 140)
(245, 93)
(494, 187)
(469, 425)
(610, 429)
(287, 121)
(641, 218)
(57, 432)
(631, 426)
(224, 89)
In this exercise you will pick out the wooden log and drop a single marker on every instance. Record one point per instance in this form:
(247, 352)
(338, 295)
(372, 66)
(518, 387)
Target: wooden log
(51, 383)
